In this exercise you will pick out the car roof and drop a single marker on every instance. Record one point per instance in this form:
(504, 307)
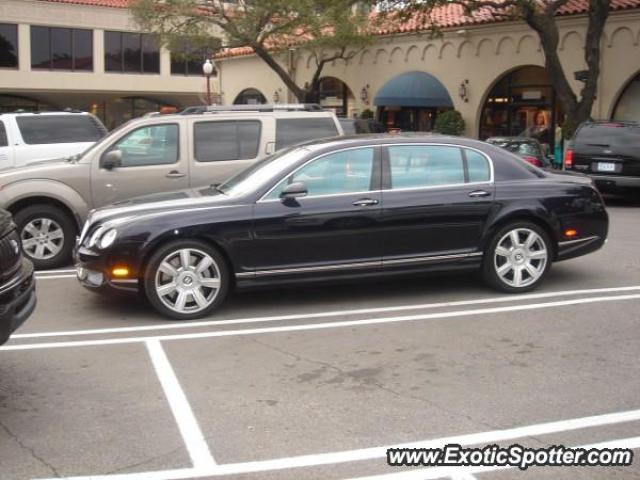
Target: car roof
(386, 138)
(42, 114)
(232, 114)
(511, 139)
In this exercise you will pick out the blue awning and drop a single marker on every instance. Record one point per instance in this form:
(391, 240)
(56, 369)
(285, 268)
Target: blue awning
(413, 89)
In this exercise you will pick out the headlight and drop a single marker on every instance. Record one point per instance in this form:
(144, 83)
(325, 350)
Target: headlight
(94, 238)
(108, 238)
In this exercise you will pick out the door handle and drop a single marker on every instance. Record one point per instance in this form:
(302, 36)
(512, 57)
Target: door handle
(479, 193)
(175, 174)
(365, 202)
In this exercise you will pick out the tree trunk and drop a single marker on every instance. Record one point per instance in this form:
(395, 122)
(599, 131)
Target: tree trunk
(544, 24)
(298, 92)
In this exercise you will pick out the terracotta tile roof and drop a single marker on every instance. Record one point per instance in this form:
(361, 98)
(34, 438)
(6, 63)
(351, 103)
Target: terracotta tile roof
(446, 16)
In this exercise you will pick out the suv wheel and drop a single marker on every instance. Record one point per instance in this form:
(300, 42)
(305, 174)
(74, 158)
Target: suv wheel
(186, 279)
(47, 235)
(518, 258)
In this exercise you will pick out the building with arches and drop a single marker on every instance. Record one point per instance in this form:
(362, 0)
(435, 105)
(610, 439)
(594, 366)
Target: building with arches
(490, 71)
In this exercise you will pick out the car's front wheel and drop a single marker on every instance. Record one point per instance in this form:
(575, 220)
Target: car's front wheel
(47, 235)
(517, 258)
(186, 279)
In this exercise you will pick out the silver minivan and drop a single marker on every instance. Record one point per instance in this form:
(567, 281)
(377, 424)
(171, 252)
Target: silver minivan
(50, 200)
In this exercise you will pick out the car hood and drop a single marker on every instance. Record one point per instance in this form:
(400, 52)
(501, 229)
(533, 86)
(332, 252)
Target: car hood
(54, 168)
(161, 203)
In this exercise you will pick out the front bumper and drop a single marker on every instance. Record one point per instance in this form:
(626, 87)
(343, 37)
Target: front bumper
(94, 272)
(17, 300)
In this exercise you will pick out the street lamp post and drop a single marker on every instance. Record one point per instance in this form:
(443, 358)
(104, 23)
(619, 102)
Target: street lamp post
(208, 68)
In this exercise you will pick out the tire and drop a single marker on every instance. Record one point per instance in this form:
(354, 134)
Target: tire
(503, 260)
(47, 234)
(185, 296)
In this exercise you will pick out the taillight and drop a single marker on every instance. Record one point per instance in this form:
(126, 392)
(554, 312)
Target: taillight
(532, 160)
(568, 158)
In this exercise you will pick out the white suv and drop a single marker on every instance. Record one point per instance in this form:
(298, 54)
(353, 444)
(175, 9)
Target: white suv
(31, 137)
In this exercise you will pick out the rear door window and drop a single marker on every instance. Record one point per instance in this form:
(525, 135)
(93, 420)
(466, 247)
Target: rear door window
(290, 131)
(419, 166)
(226, 140)
(48, 129)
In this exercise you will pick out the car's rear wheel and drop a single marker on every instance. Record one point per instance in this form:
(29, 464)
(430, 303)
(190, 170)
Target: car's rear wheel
(47, 235)
(517, 258)
(186, 279)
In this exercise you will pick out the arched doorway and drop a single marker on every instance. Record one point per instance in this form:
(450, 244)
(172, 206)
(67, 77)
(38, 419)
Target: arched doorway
(628, 104)
(412, 101)
(250, 96)
(337, 96)
(522, 103)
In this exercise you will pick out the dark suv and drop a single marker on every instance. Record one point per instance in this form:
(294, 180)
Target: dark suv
(609, 152)
(17, 285)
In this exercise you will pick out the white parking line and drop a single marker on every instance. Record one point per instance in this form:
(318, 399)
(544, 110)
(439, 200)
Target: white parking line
(320, 326)
(335, 313)
(374, 453)
(186, 420)
(432, 473)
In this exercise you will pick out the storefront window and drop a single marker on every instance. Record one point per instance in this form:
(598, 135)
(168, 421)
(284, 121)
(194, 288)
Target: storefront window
(336, 95)
(131, 52)
(54, 48)
(522, 104)
(628, 105)
(8, 45)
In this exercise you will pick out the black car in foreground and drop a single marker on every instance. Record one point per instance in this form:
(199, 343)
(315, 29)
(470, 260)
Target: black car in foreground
(346, 208)
(609, 152)
(17, 285)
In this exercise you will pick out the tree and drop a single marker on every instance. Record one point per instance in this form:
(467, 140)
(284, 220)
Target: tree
(331, 30)
(540, 16)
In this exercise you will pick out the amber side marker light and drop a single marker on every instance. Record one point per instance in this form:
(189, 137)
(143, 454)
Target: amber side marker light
(570, 232)
(120, 272)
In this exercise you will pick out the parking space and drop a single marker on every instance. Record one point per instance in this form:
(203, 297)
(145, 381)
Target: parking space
(318, 382)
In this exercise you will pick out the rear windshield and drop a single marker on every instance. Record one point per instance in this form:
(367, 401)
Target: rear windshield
(38, 130)
(290, 131)
(609, 135)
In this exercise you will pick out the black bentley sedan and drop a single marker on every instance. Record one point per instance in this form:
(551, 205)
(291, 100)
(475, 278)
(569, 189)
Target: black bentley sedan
(345, 208)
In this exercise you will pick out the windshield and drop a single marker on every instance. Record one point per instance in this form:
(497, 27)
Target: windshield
(261, 171)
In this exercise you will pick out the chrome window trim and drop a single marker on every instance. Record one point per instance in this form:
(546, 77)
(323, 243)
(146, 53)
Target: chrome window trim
(491, 180)
(263, 199)
(342, 266)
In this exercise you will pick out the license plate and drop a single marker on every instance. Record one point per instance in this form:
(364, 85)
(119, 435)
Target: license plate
(606, 167)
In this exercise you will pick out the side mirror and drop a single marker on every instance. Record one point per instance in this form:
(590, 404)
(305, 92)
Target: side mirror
(111, 160)
(294, 190)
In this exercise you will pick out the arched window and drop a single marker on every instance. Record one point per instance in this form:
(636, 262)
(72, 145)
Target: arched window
(250, 96)
(628, 105)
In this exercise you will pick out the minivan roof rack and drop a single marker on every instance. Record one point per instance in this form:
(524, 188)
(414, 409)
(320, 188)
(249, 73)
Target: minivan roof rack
(279, 107)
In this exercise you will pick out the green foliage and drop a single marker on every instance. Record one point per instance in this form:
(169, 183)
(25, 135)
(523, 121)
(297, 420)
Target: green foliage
(449, 123)
(366, 113)
(330, 29)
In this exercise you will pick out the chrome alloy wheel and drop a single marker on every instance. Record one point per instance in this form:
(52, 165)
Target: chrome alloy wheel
(42, 238)
(187, 280)
(520, 257)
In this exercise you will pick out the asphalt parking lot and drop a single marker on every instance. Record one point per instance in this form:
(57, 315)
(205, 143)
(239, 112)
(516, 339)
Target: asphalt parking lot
(316, 383)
